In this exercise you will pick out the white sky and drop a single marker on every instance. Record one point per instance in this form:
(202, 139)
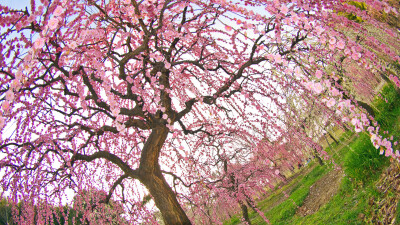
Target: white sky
(17, 4)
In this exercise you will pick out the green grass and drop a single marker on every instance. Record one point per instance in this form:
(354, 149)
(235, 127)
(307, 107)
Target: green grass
(362, 165)
(284, 211)
(388, 111)
(233, 221)
(398, 214)
(347, 207)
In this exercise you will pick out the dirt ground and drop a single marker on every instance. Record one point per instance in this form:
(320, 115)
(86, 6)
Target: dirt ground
(324, 189)
(321, 192)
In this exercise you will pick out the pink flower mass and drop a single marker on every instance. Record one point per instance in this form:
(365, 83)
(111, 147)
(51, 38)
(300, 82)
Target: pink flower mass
(341, 44)
(39, 43)
(318, 74)
(317, 88)
(58, 11)
(53, 23)
(192, 109)
(331, 102)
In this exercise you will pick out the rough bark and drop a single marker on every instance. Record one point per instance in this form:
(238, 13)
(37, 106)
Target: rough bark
(245, 212)
(151, 176)
(316, 155)
(330, 146)
(165, 200)
(368, 108)
(333, 138)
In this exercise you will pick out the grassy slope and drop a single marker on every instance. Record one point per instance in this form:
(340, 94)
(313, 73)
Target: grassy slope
(362, 165)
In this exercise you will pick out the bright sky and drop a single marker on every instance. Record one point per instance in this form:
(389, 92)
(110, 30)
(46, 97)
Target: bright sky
(17, 4)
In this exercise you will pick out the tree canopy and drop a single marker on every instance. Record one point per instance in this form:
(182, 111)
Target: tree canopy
(194, 103)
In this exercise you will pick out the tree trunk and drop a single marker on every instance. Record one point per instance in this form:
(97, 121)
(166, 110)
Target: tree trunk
(368, 108)
(151, 176)
(245, 212)
(165, 200)
(316, 155)
(333, 138)
(332, 149)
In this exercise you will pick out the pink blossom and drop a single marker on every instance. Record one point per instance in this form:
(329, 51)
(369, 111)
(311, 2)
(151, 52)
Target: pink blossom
(278, 58)
(356, 56)
(347, 103)
(119, 118)
(131, 12)
(364, 118)
(39, 43)
(294, 18)
(120, 127)
(10, 95)
(389, 152)
(322, 40)
(228, 28)
(129, 79)
(341, 44)
(53, 23)
(165, 116)
(386, 143)
(307, 26)
(358, 128)
(159, 58)
(317, 88)
(284, 9)
(72, 44)
(334, 91)
(16, 84)
(116, 111)
(331, 102)
(310, 85)
(355, 121)
(375, 140)
(167, 65)
(318, 74)
(298, 72)
(5, 106)
(357, 125)
(18, 75)
(341, 105)
(288, 70)
(332, 40)
(58, 11)
(319, 30)
(270, 57)
(327, 83)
